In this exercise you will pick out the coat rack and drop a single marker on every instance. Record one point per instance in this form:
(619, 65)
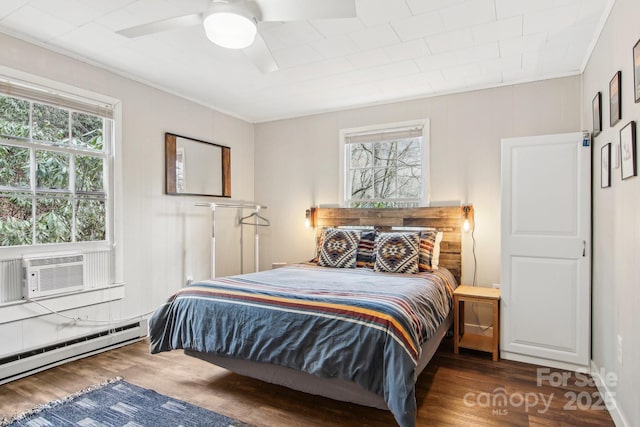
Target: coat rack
(256, 222)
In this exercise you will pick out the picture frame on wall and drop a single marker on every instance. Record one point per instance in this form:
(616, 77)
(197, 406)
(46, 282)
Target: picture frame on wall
(636, 71)
(628, 150)
(596, 111)
(605, 166)
(615, 99)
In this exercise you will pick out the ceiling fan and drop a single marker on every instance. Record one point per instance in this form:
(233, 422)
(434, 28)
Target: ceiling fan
(233, 23)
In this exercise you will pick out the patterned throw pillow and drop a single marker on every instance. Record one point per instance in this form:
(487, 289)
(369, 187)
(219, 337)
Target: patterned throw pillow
(429, 249)
(365, 257)
(397, 252)
(339, 248)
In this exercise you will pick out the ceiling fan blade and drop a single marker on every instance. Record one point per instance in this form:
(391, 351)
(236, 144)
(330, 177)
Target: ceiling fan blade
(164, 25)
(260, 55)
(300, 10)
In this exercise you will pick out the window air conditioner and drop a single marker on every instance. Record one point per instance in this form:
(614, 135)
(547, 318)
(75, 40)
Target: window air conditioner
(49, 275)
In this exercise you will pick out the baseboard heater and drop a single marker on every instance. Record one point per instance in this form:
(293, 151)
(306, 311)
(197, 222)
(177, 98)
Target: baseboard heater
(30, 362)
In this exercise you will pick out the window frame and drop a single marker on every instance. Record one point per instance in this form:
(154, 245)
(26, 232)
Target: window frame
(112, 169)
(343, 179)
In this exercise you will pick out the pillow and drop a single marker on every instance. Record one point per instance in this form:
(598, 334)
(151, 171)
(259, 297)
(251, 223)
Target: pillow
(366, 255)
(339, 248)
(397, 253)
(319, 239)
(429, 249)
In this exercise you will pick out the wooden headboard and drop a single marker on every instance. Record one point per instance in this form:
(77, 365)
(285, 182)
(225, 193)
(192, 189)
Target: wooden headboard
(447, 219)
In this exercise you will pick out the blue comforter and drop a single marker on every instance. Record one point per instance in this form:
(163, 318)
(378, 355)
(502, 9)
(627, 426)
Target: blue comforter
(354, 324)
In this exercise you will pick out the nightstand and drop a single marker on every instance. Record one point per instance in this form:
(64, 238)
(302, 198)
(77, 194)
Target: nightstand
(478, 295)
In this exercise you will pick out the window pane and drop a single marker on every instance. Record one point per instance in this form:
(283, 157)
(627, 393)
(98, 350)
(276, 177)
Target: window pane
(90, 220)
(361, 155)
(385, 154)
(86, 131)
(50, 124)
(15, 220)
(52, 170)
(409, 152)
(89, 173)
(14, 117)
(14, 166)
(385, 183)
(53, 220)
(409, 182)
(361, 184)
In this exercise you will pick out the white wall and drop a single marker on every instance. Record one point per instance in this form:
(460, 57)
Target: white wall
(298, 159)
(164, 237)
(616, 222)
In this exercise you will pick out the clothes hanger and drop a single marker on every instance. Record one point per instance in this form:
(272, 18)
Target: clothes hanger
(266, 222)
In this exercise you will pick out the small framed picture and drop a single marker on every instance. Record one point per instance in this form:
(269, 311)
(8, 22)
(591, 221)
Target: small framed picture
(628, 150)
(596, 110)
(605, 166)
(636, 70)
(615, 104)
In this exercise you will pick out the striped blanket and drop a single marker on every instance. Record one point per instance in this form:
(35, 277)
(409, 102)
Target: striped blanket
(354, 324)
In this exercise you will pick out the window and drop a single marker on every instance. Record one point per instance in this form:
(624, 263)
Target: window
(55, 168)
(385, 166)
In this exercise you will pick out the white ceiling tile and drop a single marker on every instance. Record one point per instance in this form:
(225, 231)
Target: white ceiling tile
(498, 30)
(373, 74)
(423, 6)
(449, 41)
(36, 23)
(460, 72)
(374, 37)
(509, 8)
(418, 26)
(407, 50)
(549, 20)
(337, 27)
(498, 65)
(326, 68)
(468, 14)
(294, 56)
(528, 43)
(289, 34)
(376, 12)
(324, 64)
(368, 58)
(9, 6)
(478, 53)
(90, 38)
(437, 62)
(334, 46)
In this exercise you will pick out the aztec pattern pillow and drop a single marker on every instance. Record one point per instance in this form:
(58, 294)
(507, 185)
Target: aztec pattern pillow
(366, 255)
(429, 249)
(397, 252)
(339, 248)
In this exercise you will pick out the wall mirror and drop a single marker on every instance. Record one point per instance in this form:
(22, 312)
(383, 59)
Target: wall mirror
(195, 167)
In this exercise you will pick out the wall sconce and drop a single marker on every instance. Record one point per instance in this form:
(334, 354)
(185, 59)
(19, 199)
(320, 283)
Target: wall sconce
(468, 223)
(310, 218)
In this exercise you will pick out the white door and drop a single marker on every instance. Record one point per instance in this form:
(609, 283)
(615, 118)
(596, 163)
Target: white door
(545, 253)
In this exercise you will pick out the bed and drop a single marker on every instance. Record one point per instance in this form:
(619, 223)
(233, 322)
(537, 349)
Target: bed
(361, 335)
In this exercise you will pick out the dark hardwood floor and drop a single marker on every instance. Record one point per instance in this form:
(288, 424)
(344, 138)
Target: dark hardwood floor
(468, 389)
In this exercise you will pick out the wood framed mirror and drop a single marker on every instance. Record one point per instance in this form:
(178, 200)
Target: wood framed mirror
(195, 167)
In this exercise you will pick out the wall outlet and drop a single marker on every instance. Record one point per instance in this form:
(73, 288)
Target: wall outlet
(619, 350)
(189, 280)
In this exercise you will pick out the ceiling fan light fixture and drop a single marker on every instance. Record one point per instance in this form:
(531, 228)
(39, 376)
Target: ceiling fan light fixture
(230, 27)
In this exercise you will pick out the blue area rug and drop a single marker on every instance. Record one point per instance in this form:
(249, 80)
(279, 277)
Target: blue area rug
(120, 404)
